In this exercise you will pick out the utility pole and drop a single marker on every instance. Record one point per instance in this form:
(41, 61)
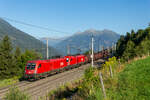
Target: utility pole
(112, 49)
(92, 56)
(100, 47)
(115, 48)
(47, 47)
(68, 49)
(90, 46)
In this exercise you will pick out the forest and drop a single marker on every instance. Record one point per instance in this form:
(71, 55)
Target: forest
(134, 44)
(12, 61)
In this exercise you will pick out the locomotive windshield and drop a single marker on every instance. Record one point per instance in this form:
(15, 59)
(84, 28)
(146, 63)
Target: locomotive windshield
(31, 66)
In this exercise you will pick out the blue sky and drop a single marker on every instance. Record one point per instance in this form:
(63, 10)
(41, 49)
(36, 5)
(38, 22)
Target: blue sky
(77, 15)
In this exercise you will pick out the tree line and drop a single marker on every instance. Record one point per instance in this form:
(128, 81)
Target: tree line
(134, 44)
(13, 60)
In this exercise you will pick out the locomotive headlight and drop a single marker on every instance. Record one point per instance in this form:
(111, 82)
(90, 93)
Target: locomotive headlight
(91, 56)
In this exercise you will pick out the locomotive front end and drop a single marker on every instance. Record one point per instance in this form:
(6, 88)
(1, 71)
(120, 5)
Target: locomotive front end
(30, 70)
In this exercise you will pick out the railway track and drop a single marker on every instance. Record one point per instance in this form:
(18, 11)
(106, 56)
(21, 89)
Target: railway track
(43, 86)
(4, 90)
(44, 89)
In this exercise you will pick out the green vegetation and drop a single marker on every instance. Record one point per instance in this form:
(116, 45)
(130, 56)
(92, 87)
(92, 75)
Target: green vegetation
(64, 91)
(9, 81)
(16, 94)
(90, 86)
(132, 83)
(12, 62)
(134, 44)
(87, 52)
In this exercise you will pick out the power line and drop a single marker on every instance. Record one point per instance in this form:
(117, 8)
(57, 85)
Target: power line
(35, 26)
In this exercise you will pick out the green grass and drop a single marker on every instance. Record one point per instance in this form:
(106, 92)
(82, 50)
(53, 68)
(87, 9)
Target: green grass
(15, 94)
(133, 83)
(7, 82)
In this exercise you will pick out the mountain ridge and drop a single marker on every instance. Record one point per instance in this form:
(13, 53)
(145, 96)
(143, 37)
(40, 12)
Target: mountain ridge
(22, 39)
(83, 39)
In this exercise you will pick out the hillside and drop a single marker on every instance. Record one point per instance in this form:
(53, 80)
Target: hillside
(82, 40)
(23, 40)
(52, 41)
(134, 81)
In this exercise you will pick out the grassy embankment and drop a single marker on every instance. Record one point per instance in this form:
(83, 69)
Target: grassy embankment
(6, 82)
(133, 83)
(130, 82)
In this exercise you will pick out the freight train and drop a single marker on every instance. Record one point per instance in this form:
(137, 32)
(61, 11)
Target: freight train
(37, 69)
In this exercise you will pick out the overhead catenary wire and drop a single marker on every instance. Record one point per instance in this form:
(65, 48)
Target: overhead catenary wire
(35, 26)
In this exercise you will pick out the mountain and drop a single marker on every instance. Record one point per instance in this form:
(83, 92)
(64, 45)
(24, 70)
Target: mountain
(24, 40)
(52, 41)
(82, 40)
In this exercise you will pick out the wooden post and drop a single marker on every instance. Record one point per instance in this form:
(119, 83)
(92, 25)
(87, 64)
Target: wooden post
(47, 53)
(119, 63)
(92, 56)
(110, 69)
(103, 88)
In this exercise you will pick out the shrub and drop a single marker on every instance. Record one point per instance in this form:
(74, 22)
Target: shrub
(16, 94)
(111, 62)
(9, 81)
(89, 89)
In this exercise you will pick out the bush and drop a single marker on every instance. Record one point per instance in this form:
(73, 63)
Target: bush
(16, 94)
(111, 62)
(9, 81)
(90, 87)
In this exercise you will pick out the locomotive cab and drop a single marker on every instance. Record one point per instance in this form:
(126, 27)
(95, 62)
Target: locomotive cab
(30, 70)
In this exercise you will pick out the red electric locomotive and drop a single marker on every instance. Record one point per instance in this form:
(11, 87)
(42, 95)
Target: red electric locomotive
(42, 68)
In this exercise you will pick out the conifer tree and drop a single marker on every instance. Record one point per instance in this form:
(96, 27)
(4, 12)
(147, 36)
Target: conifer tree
(132, 35)
(129, 51)
(18, 62)
(6, 65)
